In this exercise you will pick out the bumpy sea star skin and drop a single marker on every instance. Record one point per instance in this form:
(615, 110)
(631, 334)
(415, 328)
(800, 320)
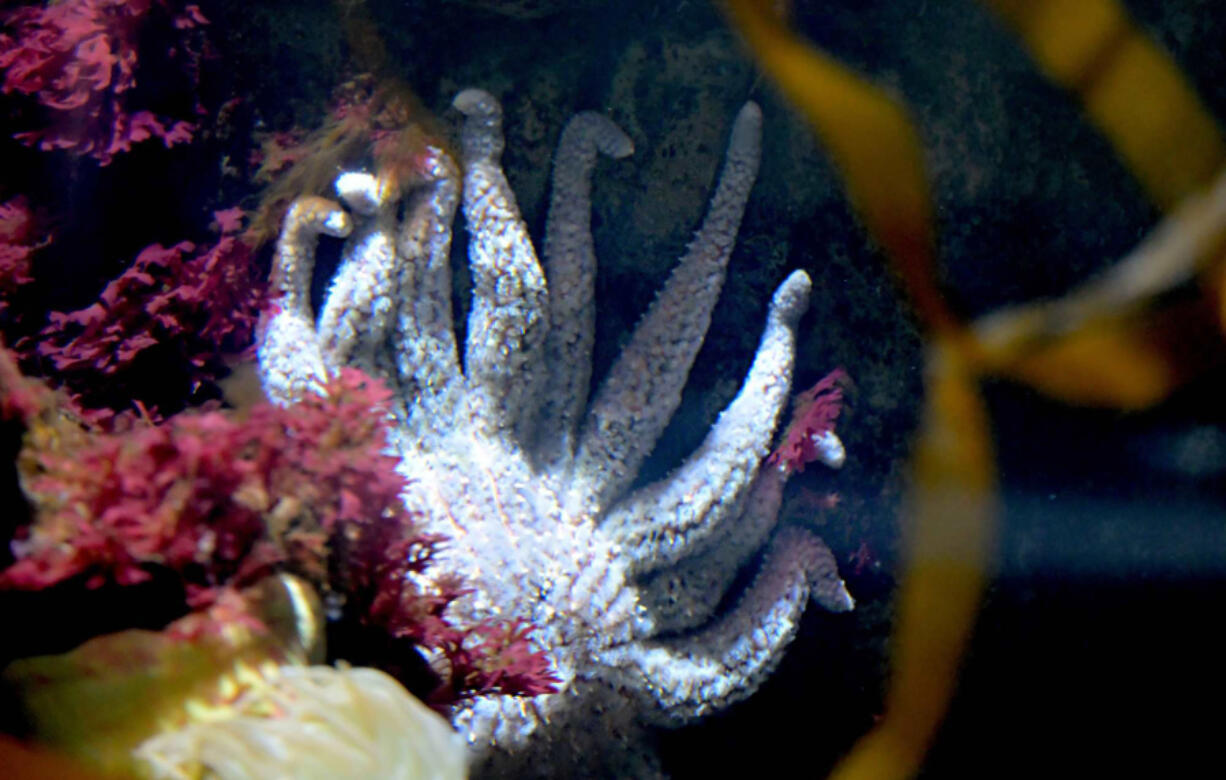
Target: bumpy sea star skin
(529, 480)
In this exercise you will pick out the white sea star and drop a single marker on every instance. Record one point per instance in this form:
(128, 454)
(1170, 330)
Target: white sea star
(529, 480)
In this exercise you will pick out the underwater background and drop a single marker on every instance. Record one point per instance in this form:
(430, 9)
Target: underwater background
(1096, 646)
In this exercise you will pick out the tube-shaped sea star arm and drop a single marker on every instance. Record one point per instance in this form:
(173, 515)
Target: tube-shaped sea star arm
(677, 516)
(506, 327)
(755, 524)
(683, 597)
(359, 309)
(687, 595)
(427, 363)
(644, 386)
(290, 354)
(689, 676)
(570, 268)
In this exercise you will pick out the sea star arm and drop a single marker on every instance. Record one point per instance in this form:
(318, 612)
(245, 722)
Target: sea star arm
(507, 324)
(291, 357)
(685, 596)
(570, 268)
(687, 677)
(644, 386)
(359, 309)
(427, 362)
(677, 516)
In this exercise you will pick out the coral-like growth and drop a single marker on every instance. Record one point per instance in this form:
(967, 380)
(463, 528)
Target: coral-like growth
(122, 504)
(21, 398)
(808, 436)
(19, 239)
(221, 501)
(204, 492)
(172, 312)
(78, 61)
(16, 233)
(503, 659)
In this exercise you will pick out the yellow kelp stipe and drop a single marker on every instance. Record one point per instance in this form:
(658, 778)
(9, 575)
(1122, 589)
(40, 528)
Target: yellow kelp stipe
(1130, 88)
(1113, 366)
(951, 517)
(949, 528)
(1106, 344)
(870, 139)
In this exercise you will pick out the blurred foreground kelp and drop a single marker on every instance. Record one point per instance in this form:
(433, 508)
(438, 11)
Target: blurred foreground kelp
(1117, 342)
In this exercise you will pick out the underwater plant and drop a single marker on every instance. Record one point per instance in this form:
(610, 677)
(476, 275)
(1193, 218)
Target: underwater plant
(175, 311)
(18, 243)
(810, 435)
(219, 502)
(77, 62)
(1110, 343)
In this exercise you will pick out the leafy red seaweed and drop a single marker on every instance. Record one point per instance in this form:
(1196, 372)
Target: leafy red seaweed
(814, 413)
(78, 60)
(220, 502)
(19, 240)
(175, 310)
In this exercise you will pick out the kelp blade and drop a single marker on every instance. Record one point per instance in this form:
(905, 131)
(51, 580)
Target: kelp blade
(950, 529)
(1131, 89)
(871, 140)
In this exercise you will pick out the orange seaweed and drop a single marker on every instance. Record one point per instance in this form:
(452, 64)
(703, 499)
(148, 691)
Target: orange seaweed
(1106, 344)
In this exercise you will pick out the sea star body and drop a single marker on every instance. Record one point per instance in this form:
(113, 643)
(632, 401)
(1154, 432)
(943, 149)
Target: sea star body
(530, 480)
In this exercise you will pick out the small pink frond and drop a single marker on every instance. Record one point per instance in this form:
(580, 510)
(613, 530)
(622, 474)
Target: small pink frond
(814, 414)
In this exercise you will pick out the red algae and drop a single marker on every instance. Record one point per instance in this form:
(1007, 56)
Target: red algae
(77, 61)
(814, 413)
(220, 501)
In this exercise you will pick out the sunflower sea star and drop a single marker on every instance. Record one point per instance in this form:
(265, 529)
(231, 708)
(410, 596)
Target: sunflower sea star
(505, 455)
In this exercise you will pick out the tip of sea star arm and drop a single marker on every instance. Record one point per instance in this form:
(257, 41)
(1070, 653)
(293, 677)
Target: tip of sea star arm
(747, 128)
(685, 512)
(476, 102)
(481, 136)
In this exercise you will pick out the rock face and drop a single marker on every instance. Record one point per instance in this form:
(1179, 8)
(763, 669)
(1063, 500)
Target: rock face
(528, 9)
